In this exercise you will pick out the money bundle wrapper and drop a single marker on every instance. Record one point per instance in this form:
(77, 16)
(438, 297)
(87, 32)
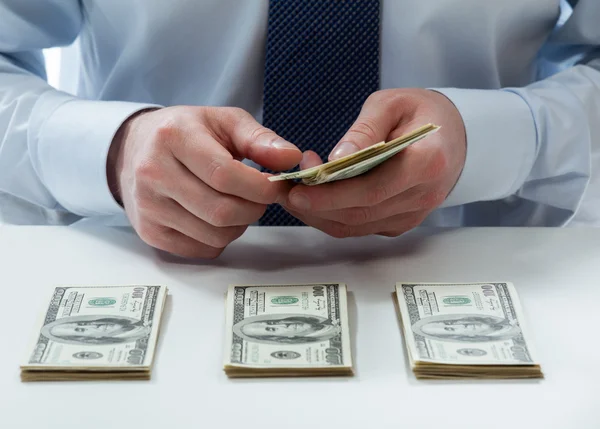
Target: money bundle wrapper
(359, 162)
(96, 333)
(287, 331)
(461, 331)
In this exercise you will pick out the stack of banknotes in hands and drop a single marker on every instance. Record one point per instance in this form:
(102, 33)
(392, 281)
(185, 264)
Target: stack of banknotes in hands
(359, 162)
(287, 330)
(96, 333)
(455, 331)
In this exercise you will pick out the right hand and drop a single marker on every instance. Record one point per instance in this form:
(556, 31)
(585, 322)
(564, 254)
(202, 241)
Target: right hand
(177, 173)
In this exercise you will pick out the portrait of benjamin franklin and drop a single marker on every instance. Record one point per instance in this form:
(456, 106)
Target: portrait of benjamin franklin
(286, 329)
(95, 330)
(469, 328)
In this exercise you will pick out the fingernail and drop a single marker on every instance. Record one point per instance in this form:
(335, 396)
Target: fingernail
(343, 149)
(307, 162)
(282, 144)
(304, 161)
(300, 201)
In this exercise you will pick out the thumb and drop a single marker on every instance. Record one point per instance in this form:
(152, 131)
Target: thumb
(374, 123)
(249, 139)
(310, 159)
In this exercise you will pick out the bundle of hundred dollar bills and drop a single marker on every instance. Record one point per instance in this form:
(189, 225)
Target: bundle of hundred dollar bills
(287, 330)
(359, 162)
(474, 330)
(96, 333)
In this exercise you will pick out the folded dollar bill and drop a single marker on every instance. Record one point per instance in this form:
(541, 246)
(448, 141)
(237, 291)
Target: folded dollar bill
(359, 162)
(474, 330)
(287, 330)
(93, 333)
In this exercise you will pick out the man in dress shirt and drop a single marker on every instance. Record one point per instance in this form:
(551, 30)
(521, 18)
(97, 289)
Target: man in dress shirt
(170, 96)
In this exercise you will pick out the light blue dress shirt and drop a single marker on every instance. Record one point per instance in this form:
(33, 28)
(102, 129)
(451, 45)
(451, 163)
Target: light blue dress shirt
(525, 76)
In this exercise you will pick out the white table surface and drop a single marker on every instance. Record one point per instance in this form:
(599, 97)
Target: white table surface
(556, 272)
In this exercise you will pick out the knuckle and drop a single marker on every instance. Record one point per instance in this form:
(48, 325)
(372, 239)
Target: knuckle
(218, 176)
(237, 112)
(436, 166)
(261, 133)
(339, 230)
(268, 194)
(145, 200)
(399, 230)
(251, 215)
(150, 234)
(377, 195)
(212, 253)
(386, 97)
(220, 240)
(374, 97)
(381, 95)
(236, 232)
(257, 212)
(430, 200)
(356, 216)
(143, 205)
(392, 234)
(406, 224)
(233, 117)
(147, 170)
(222, 214)
(366, 127)
(207, 115)
(224, 236)
(166, 132)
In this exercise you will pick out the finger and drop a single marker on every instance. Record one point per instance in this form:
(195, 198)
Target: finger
(245, 137)
(396, 224)
(176, 217)
(408, 124)
(415, 199)
(367, 190)
(310, 159)
(415, 165)
(374, 123)
(207, 204)
(179, 244)
(208, 160)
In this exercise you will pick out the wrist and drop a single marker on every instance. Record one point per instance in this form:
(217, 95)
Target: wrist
(115, 158)
(501, 142)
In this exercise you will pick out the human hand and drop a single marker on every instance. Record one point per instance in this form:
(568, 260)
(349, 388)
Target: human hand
(397, 195)
(178, 173)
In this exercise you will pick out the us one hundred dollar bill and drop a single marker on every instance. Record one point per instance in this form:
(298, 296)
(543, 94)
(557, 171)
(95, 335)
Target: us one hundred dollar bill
(474, 330)
(287, 330)
(104, 332)
(357, 163)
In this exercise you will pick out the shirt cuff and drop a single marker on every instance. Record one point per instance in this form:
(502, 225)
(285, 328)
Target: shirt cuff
(501, 144)
(73, 148)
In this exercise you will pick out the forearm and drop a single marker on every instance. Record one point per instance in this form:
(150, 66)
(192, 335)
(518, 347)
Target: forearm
(22, 93)
(53, 146)
(533, 144)
(551, 162)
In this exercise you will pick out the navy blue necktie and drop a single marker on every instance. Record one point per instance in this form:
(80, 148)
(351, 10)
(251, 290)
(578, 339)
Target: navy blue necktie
(322, 62)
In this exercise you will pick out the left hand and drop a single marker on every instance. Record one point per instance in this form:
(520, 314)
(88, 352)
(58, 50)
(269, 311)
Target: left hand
(397, 195)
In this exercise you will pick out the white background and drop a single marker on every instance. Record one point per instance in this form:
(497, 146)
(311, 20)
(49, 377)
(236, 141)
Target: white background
(555, 271)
